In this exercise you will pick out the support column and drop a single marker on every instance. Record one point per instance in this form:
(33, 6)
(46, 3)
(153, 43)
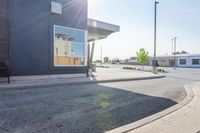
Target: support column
(88, 60)
(92, 52)
(88, 51)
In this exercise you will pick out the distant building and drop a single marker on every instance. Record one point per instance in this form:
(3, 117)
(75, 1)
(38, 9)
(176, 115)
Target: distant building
(184, 60)
(132, 58)
(115, 61)
(133, 61)
(106, 60)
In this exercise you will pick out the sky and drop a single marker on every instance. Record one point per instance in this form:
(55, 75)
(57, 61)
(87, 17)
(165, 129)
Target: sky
(175, 18)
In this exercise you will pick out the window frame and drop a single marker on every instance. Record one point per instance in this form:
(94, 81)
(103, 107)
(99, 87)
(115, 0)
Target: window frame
(185, 61)
(193, 61)
(84, 47)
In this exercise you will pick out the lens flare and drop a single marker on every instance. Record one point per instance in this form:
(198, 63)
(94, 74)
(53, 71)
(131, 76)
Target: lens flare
(93, 3)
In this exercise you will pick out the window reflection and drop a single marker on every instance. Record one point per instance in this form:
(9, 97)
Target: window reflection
(68, 46)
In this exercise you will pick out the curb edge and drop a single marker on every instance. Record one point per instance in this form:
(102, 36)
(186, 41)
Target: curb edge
(80, 82)
(135, 125)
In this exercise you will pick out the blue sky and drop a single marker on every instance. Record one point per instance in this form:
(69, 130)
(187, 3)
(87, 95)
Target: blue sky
(179, 18)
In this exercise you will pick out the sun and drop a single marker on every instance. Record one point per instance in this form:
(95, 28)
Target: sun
(93, 3)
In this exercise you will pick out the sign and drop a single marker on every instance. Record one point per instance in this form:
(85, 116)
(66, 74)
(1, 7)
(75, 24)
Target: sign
(56, 8)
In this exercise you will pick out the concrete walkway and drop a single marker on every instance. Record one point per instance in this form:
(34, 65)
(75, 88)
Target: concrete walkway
(118, 73)
(102, 75)
(185, 120)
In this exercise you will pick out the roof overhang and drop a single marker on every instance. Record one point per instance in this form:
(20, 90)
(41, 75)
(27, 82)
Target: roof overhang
(99, 30)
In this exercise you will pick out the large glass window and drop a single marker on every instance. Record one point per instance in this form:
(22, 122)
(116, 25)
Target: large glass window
(195, 61)
(182, 61)
(68, 46)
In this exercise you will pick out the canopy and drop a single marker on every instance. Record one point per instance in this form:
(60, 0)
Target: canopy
(99, 30)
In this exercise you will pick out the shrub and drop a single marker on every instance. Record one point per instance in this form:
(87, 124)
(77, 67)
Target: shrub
(142, 56)
(130, 68)
(101, 66)
(161, 70)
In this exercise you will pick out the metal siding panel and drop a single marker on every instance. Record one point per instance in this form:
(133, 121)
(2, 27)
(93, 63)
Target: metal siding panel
(4, 43)
(32, 33)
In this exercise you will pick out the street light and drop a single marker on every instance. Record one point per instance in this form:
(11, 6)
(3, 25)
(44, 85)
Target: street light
(155, 19)
(174, 50)
(172, 45)
(175, 38)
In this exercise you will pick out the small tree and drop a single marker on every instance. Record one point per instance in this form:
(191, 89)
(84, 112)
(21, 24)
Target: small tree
(142, 56)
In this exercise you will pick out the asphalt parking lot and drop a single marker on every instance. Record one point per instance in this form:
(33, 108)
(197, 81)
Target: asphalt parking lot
(85, 108)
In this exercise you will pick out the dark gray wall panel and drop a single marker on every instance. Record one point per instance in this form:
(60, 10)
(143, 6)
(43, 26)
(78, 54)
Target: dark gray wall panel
(4, 43)
(31, 34)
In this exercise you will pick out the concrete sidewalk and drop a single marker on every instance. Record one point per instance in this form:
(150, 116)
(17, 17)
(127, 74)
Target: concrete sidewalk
(118, 73)
(102, 75)
(185, 120)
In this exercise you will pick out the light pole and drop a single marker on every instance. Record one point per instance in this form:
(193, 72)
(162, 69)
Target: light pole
(175, 52)
(155, 19)
(172, 45)
(101, 54)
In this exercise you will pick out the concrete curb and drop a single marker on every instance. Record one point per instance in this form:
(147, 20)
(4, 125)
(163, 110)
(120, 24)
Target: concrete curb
(30, 86)
(152, 118)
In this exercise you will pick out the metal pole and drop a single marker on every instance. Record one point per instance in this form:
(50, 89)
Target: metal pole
(172, 45)
(175, 52)
(155, 28)
(88, 63)
(9, 54)
(92, 52)
(101, 54)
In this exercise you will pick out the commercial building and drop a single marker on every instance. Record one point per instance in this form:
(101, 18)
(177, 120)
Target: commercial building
(133, 61)
(179, 60)
(45, 37)
(106, 59)
(182, 60)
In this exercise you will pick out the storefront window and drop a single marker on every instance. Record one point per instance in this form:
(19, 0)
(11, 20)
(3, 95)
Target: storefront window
(68, 46)
(182, 61)
(195, 61)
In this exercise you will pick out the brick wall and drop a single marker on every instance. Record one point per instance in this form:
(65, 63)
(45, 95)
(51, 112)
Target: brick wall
(4, 30)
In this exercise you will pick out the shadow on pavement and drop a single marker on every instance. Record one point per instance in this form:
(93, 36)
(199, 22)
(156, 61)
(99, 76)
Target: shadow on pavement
(89, 108)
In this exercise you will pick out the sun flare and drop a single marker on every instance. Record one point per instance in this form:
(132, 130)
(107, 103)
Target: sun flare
(93, 3)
